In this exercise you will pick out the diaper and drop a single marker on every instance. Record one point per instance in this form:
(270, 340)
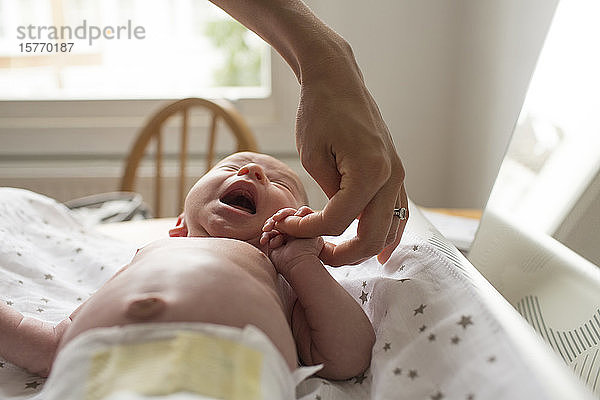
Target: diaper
(174, 361)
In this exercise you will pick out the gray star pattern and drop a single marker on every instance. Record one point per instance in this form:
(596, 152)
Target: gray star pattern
(419, 310)
(465, 321)
(364, 297)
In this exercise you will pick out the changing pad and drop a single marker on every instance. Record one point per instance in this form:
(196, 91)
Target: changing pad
(442, 330)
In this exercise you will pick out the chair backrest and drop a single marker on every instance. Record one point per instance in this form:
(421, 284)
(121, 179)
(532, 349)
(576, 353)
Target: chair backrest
(219, 110)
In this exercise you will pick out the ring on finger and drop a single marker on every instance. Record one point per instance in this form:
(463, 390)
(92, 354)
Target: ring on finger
(400, 213)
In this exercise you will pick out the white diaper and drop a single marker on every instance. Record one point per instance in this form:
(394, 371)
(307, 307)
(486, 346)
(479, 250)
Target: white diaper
(172, 361)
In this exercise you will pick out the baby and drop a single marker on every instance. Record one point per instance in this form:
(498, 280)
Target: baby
(224, 266)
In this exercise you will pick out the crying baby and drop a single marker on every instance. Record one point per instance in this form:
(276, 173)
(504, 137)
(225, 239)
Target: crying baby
(225, 264)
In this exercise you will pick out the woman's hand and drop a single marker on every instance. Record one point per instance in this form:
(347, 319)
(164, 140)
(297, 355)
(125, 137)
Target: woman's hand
(345, 145)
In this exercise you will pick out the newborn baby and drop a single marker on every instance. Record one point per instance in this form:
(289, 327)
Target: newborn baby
(224, 266)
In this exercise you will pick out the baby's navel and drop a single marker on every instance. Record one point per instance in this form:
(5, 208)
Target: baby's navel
(146, 307)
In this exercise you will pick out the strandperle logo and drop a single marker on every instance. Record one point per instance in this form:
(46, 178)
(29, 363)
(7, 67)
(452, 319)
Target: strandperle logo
(83, 32)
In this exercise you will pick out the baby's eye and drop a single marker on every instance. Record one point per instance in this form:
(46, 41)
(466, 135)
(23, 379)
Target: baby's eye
(282, 183)
(230, 167)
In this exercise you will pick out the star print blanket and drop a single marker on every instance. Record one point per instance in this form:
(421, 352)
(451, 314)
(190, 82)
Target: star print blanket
(49, 264)
(436, 338)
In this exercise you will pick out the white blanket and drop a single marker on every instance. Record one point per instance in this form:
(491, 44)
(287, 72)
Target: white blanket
(435, 338)
(49, 264)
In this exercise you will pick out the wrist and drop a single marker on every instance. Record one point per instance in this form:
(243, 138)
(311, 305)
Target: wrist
(296, 267)
(328, 58)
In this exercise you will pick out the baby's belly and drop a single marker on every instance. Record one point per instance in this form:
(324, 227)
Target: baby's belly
(213, 291)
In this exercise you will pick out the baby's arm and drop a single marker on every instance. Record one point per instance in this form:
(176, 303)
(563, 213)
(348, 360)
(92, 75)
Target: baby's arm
(328, 324)
(28, 342)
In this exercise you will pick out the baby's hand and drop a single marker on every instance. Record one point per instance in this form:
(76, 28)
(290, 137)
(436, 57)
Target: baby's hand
(285, 251)
(271, 235)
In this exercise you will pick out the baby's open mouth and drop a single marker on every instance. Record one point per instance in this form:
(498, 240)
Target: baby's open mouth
(240, 199)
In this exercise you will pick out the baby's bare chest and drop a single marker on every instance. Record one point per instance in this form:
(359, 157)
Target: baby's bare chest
(214, 263)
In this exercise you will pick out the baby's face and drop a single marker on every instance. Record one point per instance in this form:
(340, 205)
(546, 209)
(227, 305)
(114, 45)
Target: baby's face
(235, 198)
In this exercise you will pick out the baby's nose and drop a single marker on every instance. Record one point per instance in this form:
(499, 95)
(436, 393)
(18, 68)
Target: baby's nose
(254, 171)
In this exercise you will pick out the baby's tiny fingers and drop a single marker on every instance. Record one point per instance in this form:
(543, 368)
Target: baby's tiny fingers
(294, 218)
(264, 238)
(267, 236)
(269, 224)
(283, 213)
(277, 241)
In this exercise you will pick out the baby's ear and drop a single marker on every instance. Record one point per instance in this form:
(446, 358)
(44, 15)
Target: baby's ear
(180, 229)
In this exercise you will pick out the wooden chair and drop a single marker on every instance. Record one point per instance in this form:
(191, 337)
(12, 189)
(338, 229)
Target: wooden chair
(219, 110)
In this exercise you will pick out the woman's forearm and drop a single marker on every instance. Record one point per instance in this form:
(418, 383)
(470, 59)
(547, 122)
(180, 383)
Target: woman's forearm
(302, 39)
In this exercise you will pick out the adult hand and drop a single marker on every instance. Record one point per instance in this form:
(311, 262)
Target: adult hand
(345, 145)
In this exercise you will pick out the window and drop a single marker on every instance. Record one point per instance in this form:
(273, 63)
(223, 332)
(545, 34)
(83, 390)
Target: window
(127, 49)
(555, 151)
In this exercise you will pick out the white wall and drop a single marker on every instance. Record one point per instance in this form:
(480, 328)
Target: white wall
(449, 77)
(405, 49)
